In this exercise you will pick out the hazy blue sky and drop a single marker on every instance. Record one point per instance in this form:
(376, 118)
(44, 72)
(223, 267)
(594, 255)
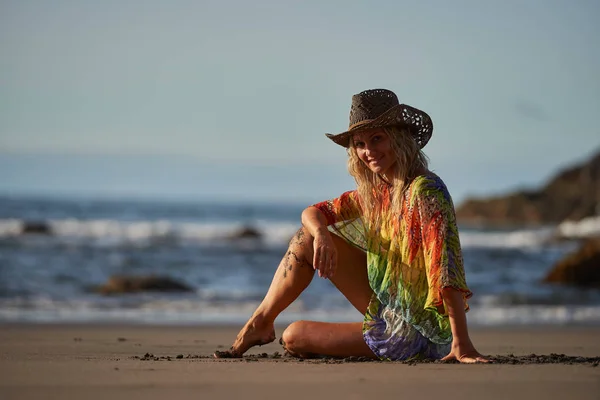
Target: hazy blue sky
(225, 98)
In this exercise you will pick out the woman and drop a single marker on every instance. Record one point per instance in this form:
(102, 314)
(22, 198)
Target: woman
(391, 247)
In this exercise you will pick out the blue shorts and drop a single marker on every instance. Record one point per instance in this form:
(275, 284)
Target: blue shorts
(405, 342)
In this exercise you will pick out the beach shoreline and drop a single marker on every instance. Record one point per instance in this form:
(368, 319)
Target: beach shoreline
(123, 360)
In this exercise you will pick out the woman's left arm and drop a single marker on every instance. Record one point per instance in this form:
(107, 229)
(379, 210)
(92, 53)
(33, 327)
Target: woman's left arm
(462, 347)
(448, 290)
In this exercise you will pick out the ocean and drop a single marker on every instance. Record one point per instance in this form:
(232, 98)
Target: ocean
(50, 277)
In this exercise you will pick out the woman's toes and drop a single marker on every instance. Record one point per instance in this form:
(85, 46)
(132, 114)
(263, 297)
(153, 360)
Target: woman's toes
(226, 354)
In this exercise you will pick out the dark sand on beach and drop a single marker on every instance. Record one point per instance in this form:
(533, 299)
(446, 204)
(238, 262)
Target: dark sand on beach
(96, 361)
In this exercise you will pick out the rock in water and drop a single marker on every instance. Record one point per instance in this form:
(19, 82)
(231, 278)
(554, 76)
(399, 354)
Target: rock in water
(134, 284)
(36, 227)
(246, 232)
(572, 194)
(581, 268)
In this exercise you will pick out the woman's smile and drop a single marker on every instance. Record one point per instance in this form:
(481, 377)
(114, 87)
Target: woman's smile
(374, 148)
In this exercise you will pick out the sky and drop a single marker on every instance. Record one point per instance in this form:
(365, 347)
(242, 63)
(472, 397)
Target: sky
(231, 99)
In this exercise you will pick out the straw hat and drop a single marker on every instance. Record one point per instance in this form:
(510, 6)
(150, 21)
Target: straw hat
(378, 108)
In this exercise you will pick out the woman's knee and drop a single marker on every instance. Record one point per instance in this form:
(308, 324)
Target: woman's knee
(302, 244)
(294, 338)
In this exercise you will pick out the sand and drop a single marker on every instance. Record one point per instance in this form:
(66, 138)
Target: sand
(118, 362)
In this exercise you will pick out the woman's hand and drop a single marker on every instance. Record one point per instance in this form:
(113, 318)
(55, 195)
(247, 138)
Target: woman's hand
(325, 255)
(462, 347)
(325, 252)
(465, 354)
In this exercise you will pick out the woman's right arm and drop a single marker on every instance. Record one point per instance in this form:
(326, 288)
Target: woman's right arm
(325, 252)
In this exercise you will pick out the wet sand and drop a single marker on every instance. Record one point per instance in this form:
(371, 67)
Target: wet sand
(156, 362)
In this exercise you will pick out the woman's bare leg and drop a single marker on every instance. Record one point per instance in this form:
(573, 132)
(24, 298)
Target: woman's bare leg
(308, 338)
(294, 274)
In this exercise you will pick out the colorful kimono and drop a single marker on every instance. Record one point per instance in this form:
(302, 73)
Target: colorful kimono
(410, 258)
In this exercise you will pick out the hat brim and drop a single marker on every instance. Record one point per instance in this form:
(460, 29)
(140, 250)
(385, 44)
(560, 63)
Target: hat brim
(418, 122)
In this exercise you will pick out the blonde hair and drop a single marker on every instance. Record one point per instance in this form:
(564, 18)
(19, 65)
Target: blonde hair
(410, 161)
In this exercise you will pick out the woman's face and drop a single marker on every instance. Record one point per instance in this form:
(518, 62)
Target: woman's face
(374, 148)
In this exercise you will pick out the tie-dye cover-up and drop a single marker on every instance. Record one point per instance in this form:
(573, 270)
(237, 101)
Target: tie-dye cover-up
(410, 259)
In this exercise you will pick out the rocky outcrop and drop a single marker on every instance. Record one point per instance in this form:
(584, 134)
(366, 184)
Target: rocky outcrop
(572, 194)
(36, 227)
(581, 268)
(245, 232)
(121, 284)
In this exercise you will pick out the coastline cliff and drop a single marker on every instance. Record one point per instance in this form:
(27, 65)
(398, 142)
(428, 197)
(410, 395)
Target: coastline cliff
(572, 194)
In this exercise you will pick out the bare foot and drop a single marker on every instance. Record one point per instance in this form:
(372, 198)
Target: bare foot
(254, 333)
